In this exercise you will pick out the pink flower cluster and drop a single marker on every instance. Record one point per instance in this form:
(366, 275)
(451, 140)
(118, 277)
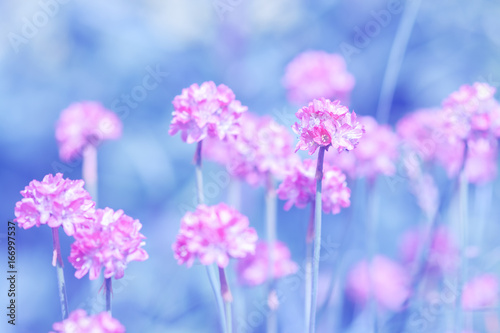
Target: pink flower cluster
(377, 155)
(79, 322)
(205, 111)
(383, 279)
(316, 74)
(254, 268)
(324, 123)
(111, 242)
(55, 201)
(262, 147)
(299, 187)
(214, 234)
(82, 124)
(481, 293)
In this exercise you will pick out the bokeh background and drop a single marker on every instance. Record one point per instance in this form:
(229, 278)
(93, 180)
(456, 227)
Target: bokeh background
(54, 52)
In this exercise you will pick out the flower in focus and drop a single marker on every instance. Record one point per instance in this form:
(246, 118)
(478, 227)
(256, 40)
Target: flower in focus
(55, 201)
(111, 242)
(206, 111)
(79, 322)
(324, 123)
(82, 124)
(299, 187)
(253, 269)
(262, 147)
(480, 293)
(389, 283)
(316, 74)
(376, 155)
(214, 234)
(443, 255)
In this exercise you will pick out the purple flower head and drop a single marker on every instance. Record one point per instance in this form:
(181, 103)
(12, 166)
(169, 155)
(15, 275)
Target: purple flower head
(262, 147)
(481, 293)
(316, 74)
(324, 123)
(82, 124)
(206, 111)
(55, 201)
(214, 234)
(299, 187)
(387, 280)
(253, 269)
(79, 322)
(111, 242)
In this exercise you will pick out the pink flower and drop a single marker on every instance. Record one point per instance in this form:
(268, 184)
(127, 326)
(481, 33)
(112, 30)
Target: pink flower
(79, 322)
(324, 123)
(253, 269)
(262, 147)
(214, 234)
(299, 187)
(316, 74)
(376, 155)
(389, 283)
(480, 293)
(82, 124)
(54, 201)
(206, 111)
(443, 255)
(111, 242)
(481, 164)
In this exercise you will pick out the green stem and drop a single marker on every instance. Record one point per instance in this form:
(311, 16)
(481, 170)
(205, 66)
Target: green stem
(308, 273)
(63, 298)
(225, 292)
(89, 170)
(109, 289)
(317, 239)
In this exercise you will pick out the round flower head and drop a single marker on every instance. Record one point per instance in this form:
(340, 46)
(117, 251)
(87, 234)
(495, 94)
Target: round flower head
(253, 269)
(389, 283)
(262, 147)
(214, 234)
(54, 201)
(111, 242)
(324, 123)
(299, 187)
(205, 111)
(316, 74)
(79, 322)
(82, 124)
(480, 293)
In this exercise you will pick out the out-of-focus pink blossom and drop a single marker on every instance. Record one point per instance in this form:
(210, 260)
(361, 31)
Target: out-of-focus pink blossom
(79, 322)
(316, 74)
(443, 255)
(299, 187)
(324, 123)
(376, 155)
(262, 147)
(481, 164)
(253, 269)
(384, 279)
(111, 242)
(55, 201)
(480, 293)
(82, 124)
(214, 234)
(206, 111)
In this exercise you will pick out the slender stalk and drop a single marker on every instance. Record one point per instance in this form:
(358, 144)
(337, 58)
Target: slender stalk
(225, 292)
(63, 298)
(272, 322)
(210, 268)
(89, 170)
(395, 60)
(371, 232)
(109, 290)
(317, 239)
(309, 256)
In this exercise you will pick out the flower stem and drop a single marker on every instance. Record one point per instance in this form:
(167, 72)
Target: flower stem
(272, 323)
(89, 170)
(109, 289)
(227, 297)
(210, 268)
(317, 239)
(308, 273)
(63, 298)
(371, 234)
